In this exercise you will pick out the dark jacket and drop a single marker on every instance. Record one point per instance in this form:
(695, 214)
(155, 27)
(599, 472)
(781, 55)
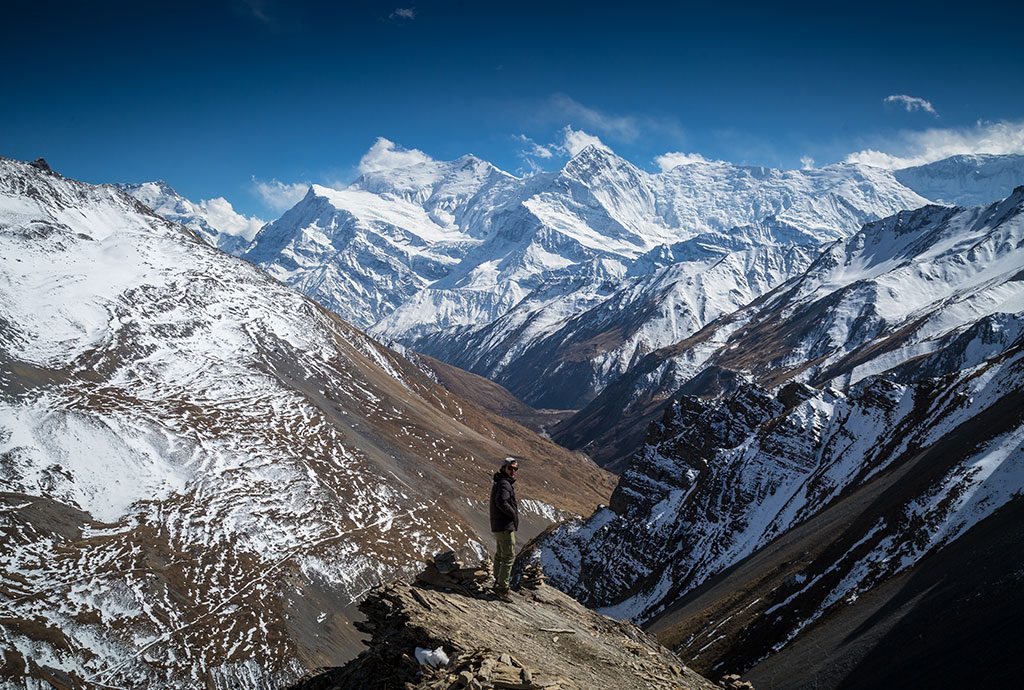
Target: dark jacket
(504, 509)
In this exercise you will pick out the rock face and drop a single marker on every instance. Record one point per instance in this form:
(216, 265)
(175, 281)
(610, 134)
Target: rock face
(542, 640)
(201, 470)
(950, 620)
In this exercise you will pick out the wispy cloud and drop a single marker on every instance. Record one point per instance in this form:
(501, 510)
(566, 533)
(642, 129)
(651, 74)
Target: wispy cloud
(279, 196)
(260, 9)
(561, 109)
(673, 159)
(403, 13)
(533, 149)
(911, 103)
(386, 155)
(581, 125)
(806, 163)
(911, 148)
(271, 13)
(623, 127)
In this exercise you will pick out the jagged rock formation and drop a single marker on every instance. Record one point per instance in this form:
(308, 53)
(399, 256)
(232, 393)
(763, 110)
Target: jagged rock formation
(542, 640)
(201, 470)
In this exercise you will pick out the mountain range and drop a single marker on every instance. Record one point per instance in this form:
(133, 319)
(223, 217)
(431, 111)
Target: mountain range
(559, 285)
(495, 273)
(808, 380)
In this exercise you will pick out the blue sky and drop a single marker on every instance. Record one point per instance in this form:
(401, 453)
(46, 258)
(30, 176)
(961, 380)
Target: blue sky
(237, 98)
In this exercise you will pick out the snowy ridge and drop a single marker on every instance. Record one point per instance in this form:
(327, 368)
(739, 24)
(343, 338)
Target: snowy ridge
(214, 220)
(966, 180)
(435, 255)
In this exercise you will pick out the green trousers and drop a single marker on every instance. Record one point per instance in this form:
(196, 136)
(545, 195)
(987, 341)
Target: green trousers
(503, 558)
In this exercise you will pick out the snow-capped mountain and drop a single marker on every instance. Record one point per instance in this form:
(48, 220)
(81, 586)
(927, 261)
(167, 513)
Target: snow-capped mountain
(571, 361)
(490, 272)
(892, 367)
(214, 220)
(203, 470)
(892, 292)
(355, 253)
(966, 180)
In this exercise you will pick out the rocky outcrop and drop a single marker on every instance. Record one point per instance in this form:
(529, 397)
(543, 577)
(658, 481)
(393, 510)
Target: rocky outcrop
(430, 636)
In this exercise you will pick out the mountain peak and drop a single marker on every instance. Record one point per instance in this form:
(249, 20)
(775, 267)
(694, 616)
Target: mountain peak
(593, 159)
(41, 164)
(318, 190)
(594, 152)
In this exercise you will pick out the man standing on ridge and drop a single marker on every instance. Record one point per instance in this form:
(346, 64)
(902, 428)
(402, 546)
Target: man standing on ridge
(504, 523)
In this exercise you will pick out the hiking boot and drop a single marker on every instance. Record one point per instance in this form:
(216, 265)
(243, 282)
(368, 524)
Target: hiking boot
(503, 595)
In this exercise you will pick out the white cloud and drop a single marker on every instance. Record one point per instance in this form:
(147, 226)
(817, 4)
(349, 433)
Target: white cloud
(533, 149)
(575, 140)
(221, 215)
(806, 163)
(385, 155)
(280, 196)
(673, 159)
(404, 13)
(540, 151)
(911, 103)
(927, 146)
